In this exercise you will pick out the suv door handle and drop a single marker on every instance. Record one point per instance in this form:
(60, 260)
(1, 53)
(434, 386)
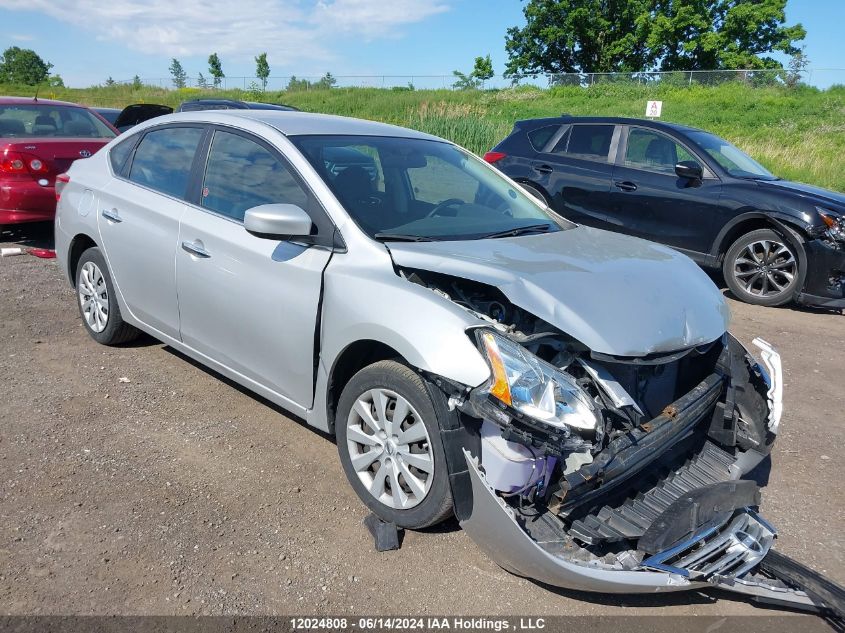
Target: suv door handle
(543, 169)
(625, 185)
(195, 249)
(111, 215)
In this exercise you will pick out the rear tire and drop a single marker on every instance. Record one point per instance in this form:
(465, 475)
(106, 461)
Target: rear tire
(97, 301)
(388, 439)
(537, 193)
(762, 268)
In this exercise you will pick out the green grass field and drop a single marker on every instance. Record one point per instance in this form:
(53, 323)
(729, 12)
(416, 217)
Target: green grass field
(797, 133)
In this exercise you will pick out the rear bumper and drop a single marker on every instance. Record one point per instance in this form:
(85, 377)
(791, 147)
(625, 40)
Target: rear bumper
(26, 201)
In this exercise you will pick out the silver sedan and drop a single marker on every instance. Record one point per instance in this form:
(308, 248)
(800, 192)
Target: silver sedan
(571, 395)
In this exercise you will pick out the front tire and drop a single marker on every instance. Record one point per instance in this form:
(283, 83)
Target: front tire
(762, 268)
(388, 439)
(97, 301)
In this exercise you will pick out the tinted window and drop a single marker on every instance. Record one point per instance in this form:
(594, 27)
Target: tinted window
(120, 153)
(51, 121)
(163, 159)
(242, 174)
(653, 151)
(540, 137)
(586, 141)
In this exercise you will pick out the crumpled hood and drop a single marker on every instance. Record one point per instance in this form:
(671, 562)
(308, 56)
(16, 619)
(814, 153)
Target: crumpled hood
(616, 294)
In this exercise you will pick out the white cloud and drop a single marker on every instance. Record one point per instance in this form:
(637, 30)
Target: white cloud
(291, 31)
(21, 37)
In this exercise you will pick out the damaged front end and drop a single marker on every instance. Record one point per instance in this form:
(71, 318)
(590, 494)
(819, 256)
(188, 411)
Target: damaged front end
(613, 474)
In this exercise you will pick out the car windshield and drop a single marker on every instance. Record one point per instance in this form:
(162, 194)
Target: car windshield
(419, 189)
(732, 159)
(50, 121)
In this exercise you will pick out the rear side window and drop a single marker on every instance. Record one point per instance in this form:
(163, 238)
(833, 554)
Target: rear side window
(540, 137)
(119, 154)
(242, 174)
(163, 159)
(586, 141)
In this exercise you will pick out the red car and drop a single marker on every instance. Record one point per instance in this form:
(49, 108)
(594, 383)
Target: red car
(39, 139)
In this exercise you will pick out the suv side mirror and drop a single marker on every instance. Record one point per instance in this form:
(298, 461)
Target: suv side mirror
(278, 220)
(689, 169)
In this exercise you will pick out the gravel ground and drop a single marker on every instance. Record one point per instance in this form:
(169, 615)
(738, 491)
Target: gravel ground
(133, 481)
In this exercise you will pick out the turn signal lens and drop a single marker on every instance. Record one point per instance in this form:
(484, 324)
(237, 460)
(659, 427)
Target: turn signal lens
(500, 387)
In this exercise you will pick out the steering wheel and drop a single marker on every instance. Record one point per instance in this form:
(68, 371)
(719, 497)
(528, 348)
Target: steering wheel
(451, 202)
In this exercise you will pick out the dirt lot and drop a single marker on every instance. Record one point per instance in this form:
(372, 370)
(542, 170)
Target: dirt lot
(135, 482)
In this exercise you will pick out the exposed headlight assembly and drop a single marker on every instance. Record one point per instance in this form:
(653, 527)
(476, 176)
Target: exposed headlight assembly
(834, 222)
(532, 386)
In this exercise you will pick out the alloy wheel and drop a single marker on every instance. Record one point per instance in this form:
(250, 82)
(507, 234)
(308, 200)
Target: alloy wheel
(93, 297)
(390, 448)
(765, 268)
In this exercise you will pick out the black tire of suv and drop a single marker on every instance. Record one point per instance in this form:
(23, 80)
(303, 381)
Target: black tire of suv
(117, 331)
(401, 379)
(738, 289)
(536, 192)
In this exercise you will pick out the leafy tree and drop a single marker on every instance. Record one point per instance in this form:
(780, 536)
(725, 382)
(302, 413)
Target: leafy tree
(482, 71)
(136, 83)
(202, 82)
(798, 65)
(55, 81)
(262, 69)
(180, 77)
(327, 81)
(110, 81)
(636, 35)
(23, 66)
(215, 69)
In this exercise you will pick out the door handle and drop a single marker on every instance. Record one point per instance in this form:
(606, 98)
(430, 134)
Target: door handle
(195, 249)
(543, 169)
(625, 185)
(111, 215)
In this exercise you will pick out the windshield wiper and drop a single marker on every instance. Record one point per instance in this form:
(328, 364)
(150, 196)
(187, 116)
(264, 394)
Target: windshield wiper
(521, 230)
(399, 237)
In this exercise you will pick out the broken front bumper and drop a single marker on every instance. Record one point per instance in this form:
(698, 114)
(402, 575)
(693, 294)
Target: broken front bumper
(494, 526)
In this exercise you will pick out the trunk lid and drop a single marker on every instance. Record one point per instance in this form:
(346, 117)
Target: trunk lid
(56, 154)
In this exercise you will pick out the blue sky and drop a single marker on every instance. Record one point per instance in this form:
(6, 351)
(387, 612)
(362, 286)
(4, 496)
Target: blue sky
(90, 40)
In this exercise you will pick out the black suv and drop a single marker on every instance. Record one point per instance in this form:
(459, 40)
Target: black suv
(776, 241)
(230, 104)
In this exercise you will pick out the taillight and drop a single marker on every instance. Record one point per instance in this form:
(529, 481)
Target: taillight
(20, 164)
(492, 157)
(62, 181)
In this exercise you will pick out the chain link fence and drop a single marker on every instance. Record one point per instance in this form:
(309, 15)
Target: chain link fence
(822, 77)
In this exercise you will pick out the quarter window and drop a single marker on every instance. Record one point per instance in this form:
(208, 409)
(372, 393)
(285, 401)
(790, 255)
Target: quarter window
(539, 138)
(586, 141)
(654, 152)
(163, 159)
(242, 174)
(119, 154)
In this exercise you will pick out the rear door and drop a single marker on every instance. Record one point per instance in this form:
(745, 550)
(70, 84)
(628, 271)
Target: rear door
(649, 200)
(576, 169)
(249, 302)
(139, 217)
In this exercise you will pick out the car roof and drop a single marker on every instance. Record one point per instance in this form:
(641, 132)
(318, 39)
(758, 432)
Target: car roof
(568, 118)
(34, 101)
(292, 123)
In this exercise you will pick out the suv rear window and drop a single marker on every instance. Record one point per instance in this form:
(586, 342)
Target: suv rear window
(540, 137)
(586, 141)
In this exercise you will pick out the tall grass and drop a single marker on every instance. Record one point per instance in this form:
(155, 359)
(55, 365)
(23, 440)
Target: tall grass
(796, 133)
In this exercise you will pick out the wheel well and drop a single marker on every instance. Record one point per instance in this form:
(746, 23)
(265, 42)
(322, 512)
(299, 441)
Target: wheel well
(78, 245)
(746, 226)
(350, 361)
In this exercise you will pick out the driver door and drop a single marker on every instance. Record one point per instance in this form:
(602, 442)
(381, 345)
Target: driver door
(248, 302)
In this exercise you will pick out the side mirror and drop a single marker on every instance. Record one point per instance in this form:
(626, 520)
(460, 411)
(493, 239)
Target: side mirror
(278, 220)
(689, 169)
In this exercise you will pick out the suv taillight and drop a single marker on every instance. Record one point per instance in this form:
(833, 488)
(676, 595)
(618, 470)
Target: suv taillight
(492, 157)
(62, 181)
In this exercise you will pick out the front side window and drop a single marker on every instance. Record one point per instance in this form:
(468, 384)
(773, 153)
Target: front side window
(51, 121)
(591, 142)
(163, 159)
(242, 174)
(732, 159)
(425, 189)
(653, 151)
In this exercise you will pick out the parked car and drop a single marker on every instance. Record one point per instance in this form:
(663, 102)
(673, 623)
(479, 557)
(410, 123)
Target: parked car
(132, 115)
(231, 104)
(39, 139)
(571, 395)
(775, 241)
